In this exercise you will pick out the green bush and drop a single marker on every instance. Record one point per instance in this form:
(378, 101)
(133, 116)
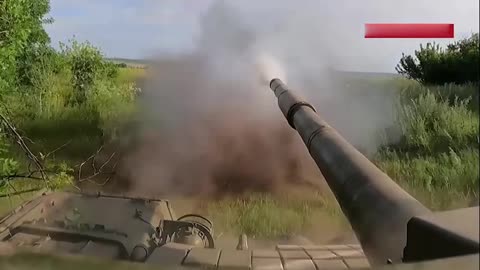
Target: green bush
(458, 63)
(87, 65)
(21, 28)
(113, 103)
(36, 63)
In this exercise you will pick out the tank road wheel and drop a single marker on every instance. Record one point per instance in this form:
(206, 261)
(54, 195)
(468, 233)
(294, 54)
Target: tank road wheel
(193, 217)
(195, 234)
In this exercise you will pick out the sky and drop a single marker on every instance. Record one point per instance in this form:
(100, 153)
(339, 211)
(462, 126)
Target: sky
(138, 29)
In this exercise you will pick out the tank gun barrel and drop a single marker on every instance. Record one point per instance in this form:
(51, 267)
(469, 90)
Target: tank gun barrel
(376, 207)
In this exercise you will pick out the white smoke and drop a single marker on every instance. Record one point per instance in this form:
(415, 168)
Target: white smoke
(268, 68)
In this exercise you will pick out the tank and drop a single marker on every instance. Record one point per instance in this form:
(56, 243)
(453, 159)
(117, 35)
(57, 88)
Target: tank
(108, 231)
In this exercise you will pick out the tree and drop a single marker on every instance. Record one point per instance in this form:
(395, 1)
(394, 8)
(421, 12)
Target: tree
(458, 63)
(21, 34)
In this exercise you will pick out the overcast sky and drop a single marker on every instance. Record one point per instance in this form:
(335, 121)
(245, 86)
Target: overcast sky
(140, 28)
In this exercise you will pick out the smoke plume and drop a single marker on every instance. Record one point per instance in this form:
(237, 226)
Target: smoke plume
(210, 125)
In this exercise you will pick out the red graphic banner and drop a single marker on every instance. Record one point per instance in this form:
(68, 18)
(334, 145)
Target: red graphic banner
(409, 30)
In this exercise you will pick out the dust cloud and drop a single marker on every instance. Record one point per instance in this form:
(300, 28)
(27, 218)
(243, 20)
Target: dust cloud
(209, 124)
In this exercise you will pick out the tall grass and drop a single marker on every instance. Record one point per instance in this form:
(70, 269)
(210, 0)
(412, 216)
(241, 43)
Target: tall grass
(431, 125)
(128, 75)
(437, 158)
(273, 216)
(444, 181)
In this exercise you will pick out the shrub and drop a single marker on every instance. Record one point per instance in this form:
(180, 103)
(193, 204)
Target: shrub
(36, 63)
(87, 65)
(458, 63)
(21, 27)
(112, 102)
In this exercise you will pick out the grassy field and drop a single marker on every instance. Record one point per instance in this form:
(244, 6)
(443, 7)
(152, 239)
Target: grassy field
(298, 212)
(130, 63)
(436, 160)
(129, 75)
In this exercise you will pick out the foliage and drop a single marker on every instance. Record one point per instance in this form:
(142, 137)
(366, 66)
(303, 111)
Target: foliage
(445, 181)
(437, 159)
(431, 125)
(8, 165)
(113, 103)
(72, 95)
(36, 63)
(458, 63)
(61, 174)
(451, 93)
(87, 65)
(21, 30)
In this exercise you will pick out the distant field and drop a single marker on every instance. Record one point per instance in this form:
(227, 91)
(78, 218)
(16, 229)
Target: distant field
(130, 62)
(130, 75)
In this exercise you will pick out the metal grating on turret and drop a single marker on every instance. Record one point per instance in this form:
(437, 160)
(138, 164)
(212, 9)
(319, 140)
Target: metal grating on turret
(284, 257)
